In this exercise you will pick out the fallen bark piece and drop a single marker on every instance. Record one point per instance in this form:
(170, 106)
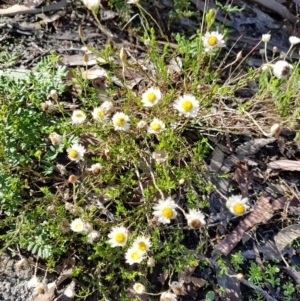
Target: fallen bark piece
(253, 146)
(278, 8)
(286, 236)
(287, 165)
(294, 274)
(261, 213)
(30, 9)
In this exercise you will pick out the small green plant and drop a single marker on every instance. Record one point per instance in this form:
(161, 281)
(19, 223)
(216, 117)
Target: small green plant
(237, 260)
(271, 274)
(255, 273)
(288, 290)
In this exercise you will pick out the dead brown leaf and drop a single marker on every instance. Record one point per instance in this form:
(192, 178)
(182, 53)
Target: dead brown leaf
(261, 213)
(77, 60)
(292, 205)
(94, 72)
(286, 236)
(286, 165)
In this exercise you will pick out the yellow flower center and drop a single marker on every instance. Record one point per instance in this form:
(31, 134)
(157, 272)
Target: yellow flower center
(187, 105)
(156, 126)
(142, 246)
(138, 287)
(100, 113)
(167, 212)
(196, 223)
(166, 299)
(238, 209)
(120, 121)
(73, 153)
(78, 115)
(120, 238)
(212, 41)
(151, 97)
(78, 226)
(135, 256)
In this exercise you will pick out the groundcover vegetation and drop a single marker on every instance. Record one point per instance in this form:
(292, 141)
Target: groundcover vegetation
(112, 177)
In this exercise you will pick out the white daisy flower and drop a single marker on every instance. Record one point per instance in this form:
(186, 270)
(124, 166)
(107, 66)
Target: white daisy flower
(142, 244)
(294, 40)
(167, 296)
(101, 113)
(93, 236)
(121, 121)
(139, 288)
(156, 126)
(78, 117)
(95, 168)
(195, 219)
(151, 97)
(76, 152)
(92, 4)
(237, 204)
(133, 255)
(187, 105)
(118, 237)
(213, 40)
(282, 69)
(266, 37)
(77, 225)
(55, 138)
(165, 210)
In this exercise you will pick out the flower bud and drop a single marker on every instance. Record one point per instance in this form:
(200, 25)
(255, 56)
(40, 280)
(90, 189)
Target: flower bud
(239, 55)
(123, 55)
(275, 129)
(181, 182)
(266, 38)
(92, 4)
(85, 58)
(72, 179)
(54, 95)
(151, 262)
(80, 32)
(240, 276)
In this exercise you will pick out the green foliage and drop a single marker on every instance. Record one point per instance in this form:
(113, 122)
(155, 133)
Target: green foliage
(255, 273)
(41, 200)
(237, 260)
